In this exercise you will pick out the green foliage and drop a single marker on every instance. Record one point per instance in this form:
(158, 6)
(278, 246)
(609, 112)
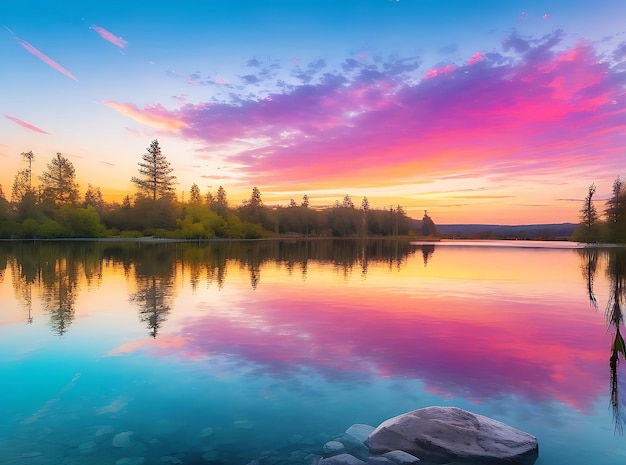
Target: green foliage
(82, 222)
(51, 229)
(131, 234)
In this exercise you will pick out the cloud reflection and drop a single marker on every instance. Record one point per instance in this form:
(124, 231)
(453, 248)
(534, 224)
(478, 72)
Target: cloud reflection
(475, 350)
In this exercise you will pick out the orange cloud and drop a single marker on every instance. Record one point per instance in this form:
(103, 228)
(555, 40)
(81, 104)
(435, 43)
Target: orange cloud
(156, 116)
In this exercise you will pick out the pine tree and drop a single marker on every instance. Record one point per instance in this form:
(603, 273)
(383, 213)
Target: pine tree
(195, 198)
(616, 213)
(347, 202)
(93, 197)
(156, 179)
(588, 228)
(20, 186)
(221, 205)
(59, 181)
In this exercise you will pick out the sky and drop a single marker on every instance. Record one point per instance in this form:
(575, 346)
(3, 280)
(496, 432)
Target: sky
(500, 112)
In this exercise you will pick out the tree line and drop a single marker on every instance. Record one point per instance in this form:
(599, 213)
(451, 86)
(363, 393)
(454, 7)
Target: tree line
(55, 208)
(611, 226)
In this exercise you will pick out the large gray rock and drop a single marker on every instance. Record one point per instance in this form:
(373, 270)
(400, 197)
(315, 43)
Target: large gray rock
(454, 436)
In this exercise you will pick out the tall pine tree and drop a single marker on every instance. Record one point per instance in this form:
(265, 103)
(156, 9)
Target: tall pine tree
(157, 180)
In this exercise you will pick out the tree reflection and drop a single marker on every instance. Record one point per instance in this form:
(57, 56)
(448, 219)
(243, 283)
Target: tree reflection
(155, 266)
(59, 282)
(615, 316)
(427, 251)
(616, 273)
(154, 298)
(50, 273)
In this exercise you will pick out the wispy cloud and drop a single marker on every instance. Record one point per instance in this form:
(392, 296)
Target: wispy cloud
(109, 36)
(26, 125)
(46, 59)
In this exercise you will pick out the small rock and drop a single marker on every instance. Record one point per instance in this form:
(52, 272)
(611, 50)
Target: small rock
(360, 431)
(400, 457)
(105, 429)
(379, 460)
(29, 455)
(122, 439)
(312, 459)
(333, 447)
(341, 459)
(130, 461)
(206, 432)
(87, 446)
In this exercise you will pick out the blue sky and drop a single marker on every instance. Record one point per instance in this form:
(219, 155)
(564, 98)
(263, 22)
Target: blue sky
(497, 111)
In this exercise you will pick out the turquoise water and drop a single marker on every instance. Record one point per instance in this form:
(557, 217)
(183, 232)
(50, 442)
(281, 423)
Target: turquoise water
(223, 353)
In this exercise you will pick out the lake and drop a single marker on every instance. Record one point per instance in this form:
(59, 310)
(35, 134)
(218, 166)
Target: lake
(227, 352)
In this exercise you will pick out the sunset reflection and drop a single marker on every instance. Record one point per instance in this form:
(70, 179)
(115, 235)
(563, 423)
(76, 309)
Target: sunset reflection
(468, 322)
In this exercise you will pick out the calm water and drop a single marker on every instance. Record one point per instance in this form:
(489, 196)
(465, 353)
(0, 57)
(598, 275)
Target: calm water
(225, 352)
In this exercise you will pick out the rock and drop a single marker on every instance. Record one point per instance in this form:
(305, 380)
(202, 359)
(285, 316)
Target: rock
(449, 434)
(130, 461)
(341, 459)
(104, 429)
(312, 459)
(333, 447)
(353, 446)
(122, 439)
(171, 459)
(379, 460)
(206, 432)
(400, 457)
(360, 431)
(88, 446)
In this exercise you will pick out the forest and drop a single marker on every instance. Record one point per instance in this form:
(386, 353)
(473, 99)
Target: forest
(55, 208)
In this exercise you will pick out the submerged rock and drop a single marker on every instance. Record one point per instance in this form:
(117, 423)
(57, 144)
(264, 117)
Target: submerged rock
(400, 457)
(453, 435)
(360, 431)
(122, 439)
(341, 459)
(333, 447)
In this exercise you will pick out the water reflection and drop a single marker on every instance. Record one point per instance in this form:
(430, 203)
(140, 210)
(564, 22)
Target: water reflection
(616, 272)
(346, 310)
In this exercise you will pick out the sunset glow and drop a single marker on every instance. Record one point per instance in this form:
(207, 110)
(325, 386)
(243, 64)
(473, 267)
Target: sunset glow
(488, 113)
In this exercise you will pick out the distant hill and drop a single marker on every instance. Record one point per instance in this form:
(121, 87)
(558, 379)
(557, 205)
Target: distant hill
(494, 231)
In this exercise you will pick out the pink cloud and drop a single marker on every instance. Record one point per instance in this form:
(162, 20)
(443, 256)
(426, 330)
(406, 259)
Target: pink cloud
(46, 59)
(109, 36)
(475, 58)
(434, 72)
(26, 125)
(380, 124)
